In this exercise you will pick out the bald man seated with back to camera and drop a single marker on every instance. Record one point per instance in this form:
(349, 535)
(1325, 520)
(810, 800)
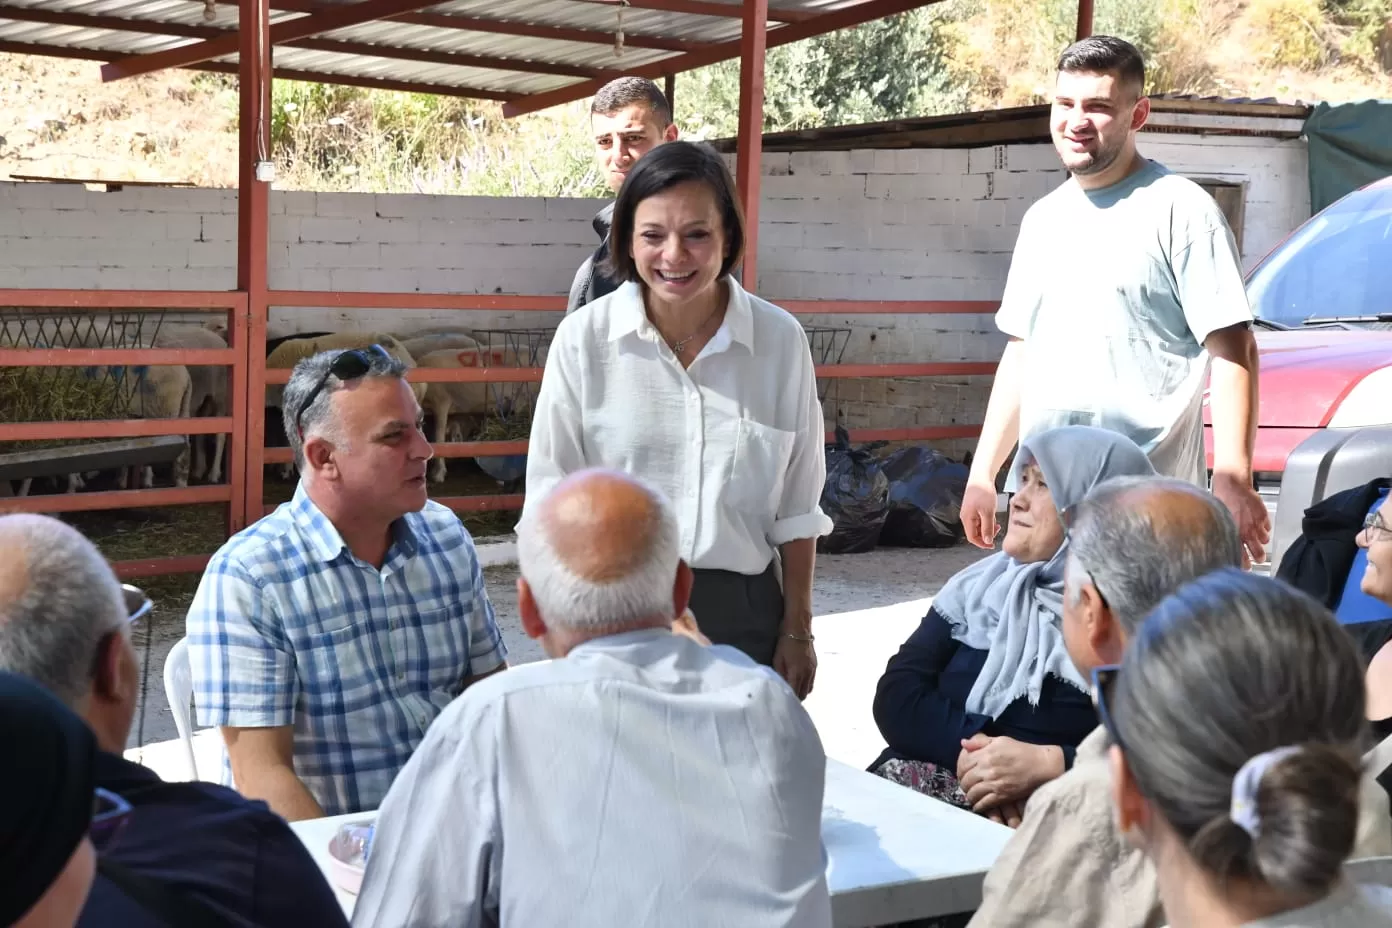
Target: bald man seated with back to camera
(638, 778)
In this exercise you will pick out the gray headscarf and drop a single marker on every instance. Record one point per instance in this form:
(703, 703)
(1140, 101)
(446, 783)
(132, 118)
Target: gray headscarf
(1013, 610)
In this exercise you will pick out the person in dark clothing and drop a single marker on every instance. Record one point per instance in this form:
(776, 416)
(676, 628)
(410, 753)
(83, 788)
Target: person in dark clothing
(987, 669)
(51, 814)
(630, 116)
(187, 853)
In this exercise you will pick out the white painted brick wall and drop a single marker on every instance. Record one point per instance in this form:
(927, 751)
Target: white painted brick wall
(933, 224)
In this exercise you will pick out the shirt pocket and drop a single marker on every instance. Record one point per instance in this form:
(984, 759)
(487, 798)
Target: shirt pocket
(332, 662)
(439, 658)
(758, 467)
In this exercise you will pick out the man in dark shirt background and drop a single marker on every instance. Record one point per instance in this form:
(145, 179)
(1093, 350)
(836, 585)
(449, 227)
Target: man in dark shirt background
(210, 855)
(630, 117)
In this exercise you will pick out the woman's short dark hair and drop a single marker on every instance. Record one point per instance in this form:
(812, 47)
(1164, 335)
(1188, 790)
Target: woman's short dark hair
(661, 169)
(1229, 667)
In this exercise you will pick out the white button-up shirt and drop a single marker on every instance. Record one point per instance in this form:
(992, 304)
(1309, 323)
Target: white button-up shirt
(736, 441)
(640, 780)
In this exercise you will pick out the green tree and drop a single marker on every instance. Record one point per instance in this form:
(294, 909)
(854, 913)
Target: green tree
(887, 69)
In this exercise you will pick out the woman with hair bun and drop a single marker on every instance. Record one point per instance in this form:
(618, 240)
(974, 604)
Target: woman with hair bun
(1236, 722)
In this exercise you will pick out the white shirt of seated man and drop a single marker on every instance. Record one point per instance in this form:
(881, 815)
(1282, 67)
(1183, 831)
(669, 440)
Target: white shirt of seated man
(638, 778)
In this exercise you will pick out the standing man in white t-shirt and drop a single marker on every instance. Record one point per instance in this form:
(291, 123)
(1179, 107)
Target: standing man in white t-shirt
(1125, 282)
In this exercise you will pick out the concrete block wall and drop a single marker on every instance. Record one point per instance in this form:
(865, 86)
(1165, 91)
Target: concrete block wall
(929, 224)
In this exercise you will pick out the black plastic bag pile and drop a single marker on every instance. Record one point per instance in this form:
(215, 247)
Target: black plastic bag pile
(925, 499)
(912, 498)
(855, 496)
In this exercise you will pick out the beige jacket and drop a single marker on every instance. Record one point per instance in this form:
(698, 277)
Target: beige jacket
(1068, 866)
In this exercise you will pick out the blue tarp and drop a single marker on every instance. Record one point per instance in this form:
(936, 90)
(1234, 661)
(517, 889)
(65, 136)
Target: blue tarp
(1350, 145)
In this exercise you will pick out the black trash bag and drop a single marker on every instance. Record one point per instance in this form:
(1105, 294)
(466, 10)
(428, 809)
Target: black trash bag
(855, 496)
(925, 499)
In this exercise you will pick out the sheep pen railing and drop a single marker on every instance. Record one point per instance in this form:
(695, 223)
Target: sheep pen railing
(826, 344)
(89, 335)
(243, 494)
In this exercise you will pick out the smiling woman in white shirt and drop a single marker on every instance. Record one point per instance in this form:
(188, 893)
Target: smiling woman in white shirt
(686, 380)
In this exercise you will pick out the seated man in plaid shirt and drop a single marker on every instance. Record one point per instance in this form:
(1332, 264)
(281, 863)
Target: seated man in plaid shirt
(325, 638)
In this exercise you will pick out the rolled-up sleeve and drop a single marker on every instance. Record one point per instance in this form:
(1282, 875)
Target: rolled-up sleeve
(557, 444)
(799, 511)
(242, 665)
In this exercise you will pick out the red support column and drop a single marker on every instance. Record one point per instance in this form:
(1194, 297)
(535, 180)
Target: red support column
(753, 43)
(1084, 19)
(253, 235)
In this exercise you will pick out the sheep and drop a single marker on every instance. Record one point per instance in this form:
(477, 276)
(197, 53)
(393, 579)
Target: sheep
(157, 392)
(210, 396)
(471, 401)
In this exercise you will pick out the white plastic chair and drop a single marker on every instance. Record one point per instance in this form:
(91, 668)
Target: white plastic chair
(178, 689)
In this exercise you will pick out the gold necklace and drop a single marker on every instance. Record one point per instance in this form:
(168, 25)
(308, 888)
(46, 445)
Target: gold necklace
(678, 346)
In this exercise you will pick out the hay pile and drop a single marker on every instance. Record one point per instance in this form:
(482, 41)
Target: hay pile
(505, 428)
(56, 394)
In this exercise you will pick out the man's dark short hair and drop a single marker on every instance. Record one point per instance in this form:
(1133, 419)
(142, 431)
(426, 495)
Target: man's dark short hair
(628, 91)
(665, 167)
(1106, 54)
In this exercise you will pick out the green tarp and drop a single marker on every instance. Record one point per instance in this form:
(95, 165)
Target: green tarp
(1350, 145)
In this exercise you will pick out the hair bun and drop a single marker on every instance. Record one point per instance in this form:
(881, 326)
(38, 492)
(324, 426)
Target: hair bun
(1308, 807)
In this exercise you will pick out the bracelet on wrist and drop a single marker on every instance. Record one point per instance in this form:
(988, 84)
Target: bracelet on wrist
(809, 637)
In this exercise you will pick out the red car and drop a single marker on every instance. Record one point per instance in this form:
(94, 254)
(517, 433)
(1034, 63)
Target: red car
(1323, 303)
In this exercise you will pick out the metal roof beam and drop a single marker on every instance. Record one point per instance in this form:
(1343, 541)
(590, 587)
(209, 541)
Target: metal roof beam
(842, 18)
(115, 23)
(507, 27)
(393, 52)
(285, 74)
(340, 17)
(707, 8)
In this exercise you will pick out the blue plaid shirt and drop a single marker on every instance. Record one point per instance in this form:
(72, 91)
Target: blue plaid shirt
(289, 628)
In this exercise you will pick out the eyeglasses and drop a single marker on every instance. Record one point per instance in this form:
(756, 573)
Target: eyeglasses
(138, 605)
(109, 815)
(349, 365)
(1103, 681)
(1375, 526)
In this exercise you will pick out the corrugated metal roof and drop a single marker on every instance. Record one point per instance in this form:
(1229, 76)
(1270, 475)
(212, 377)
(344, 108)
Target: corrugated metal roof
(510, 50)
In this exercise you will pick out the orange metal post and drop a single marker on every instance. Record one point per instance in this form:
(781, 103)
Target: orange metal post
(253, 242)
(753, 44)
(1084, 19)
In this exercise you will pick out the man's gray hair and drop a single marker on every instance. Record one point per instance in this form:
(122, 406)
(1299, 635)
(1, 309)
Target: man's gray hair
(644, 592)
(1115, 543)
(69, 600)
(319, 418)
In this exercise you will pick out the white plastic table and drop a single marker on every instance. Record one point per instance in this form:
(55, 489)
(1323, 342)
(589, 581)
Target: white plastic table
(893, 855)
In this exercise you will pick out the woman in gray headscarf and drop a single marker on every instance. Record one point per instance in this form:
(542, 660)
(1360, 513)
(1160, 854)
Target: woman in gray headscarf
(981, 705)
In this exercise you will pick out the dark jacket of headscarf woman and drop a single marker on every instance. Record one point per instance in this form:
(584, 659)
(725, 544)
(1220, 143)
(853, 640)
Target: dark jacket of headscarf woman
(46, 786)
(1013, 610)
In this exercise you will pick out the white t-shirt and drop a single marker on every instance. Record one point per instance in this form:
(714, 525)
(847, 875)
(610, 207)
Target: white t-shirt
(1113, 293)
(736, 441)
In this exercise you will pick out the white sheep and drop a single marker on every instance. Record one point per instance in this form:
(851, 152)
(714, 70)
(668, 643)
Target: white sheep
(451, 405)
(210, 396)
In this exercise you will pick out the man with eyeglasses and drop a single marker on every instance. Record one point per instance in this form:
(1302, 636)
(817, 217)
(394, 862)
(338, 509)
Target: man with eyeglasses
(325, 638)
(1132, 542)
(169, 853)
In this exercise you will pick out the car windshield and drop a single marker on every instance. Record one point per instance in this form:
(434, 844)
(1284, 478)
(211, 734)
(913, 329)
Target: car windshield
(1334, 266)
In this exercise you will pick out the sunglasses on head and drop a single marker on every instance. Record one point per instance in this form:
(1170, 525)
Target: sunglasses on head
(109, 815)
(1103, 685)
(348, 365)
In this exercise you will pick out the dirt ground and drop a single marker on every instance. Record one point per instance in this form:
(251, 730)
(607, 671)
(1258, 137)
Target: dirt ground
(882, 591)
